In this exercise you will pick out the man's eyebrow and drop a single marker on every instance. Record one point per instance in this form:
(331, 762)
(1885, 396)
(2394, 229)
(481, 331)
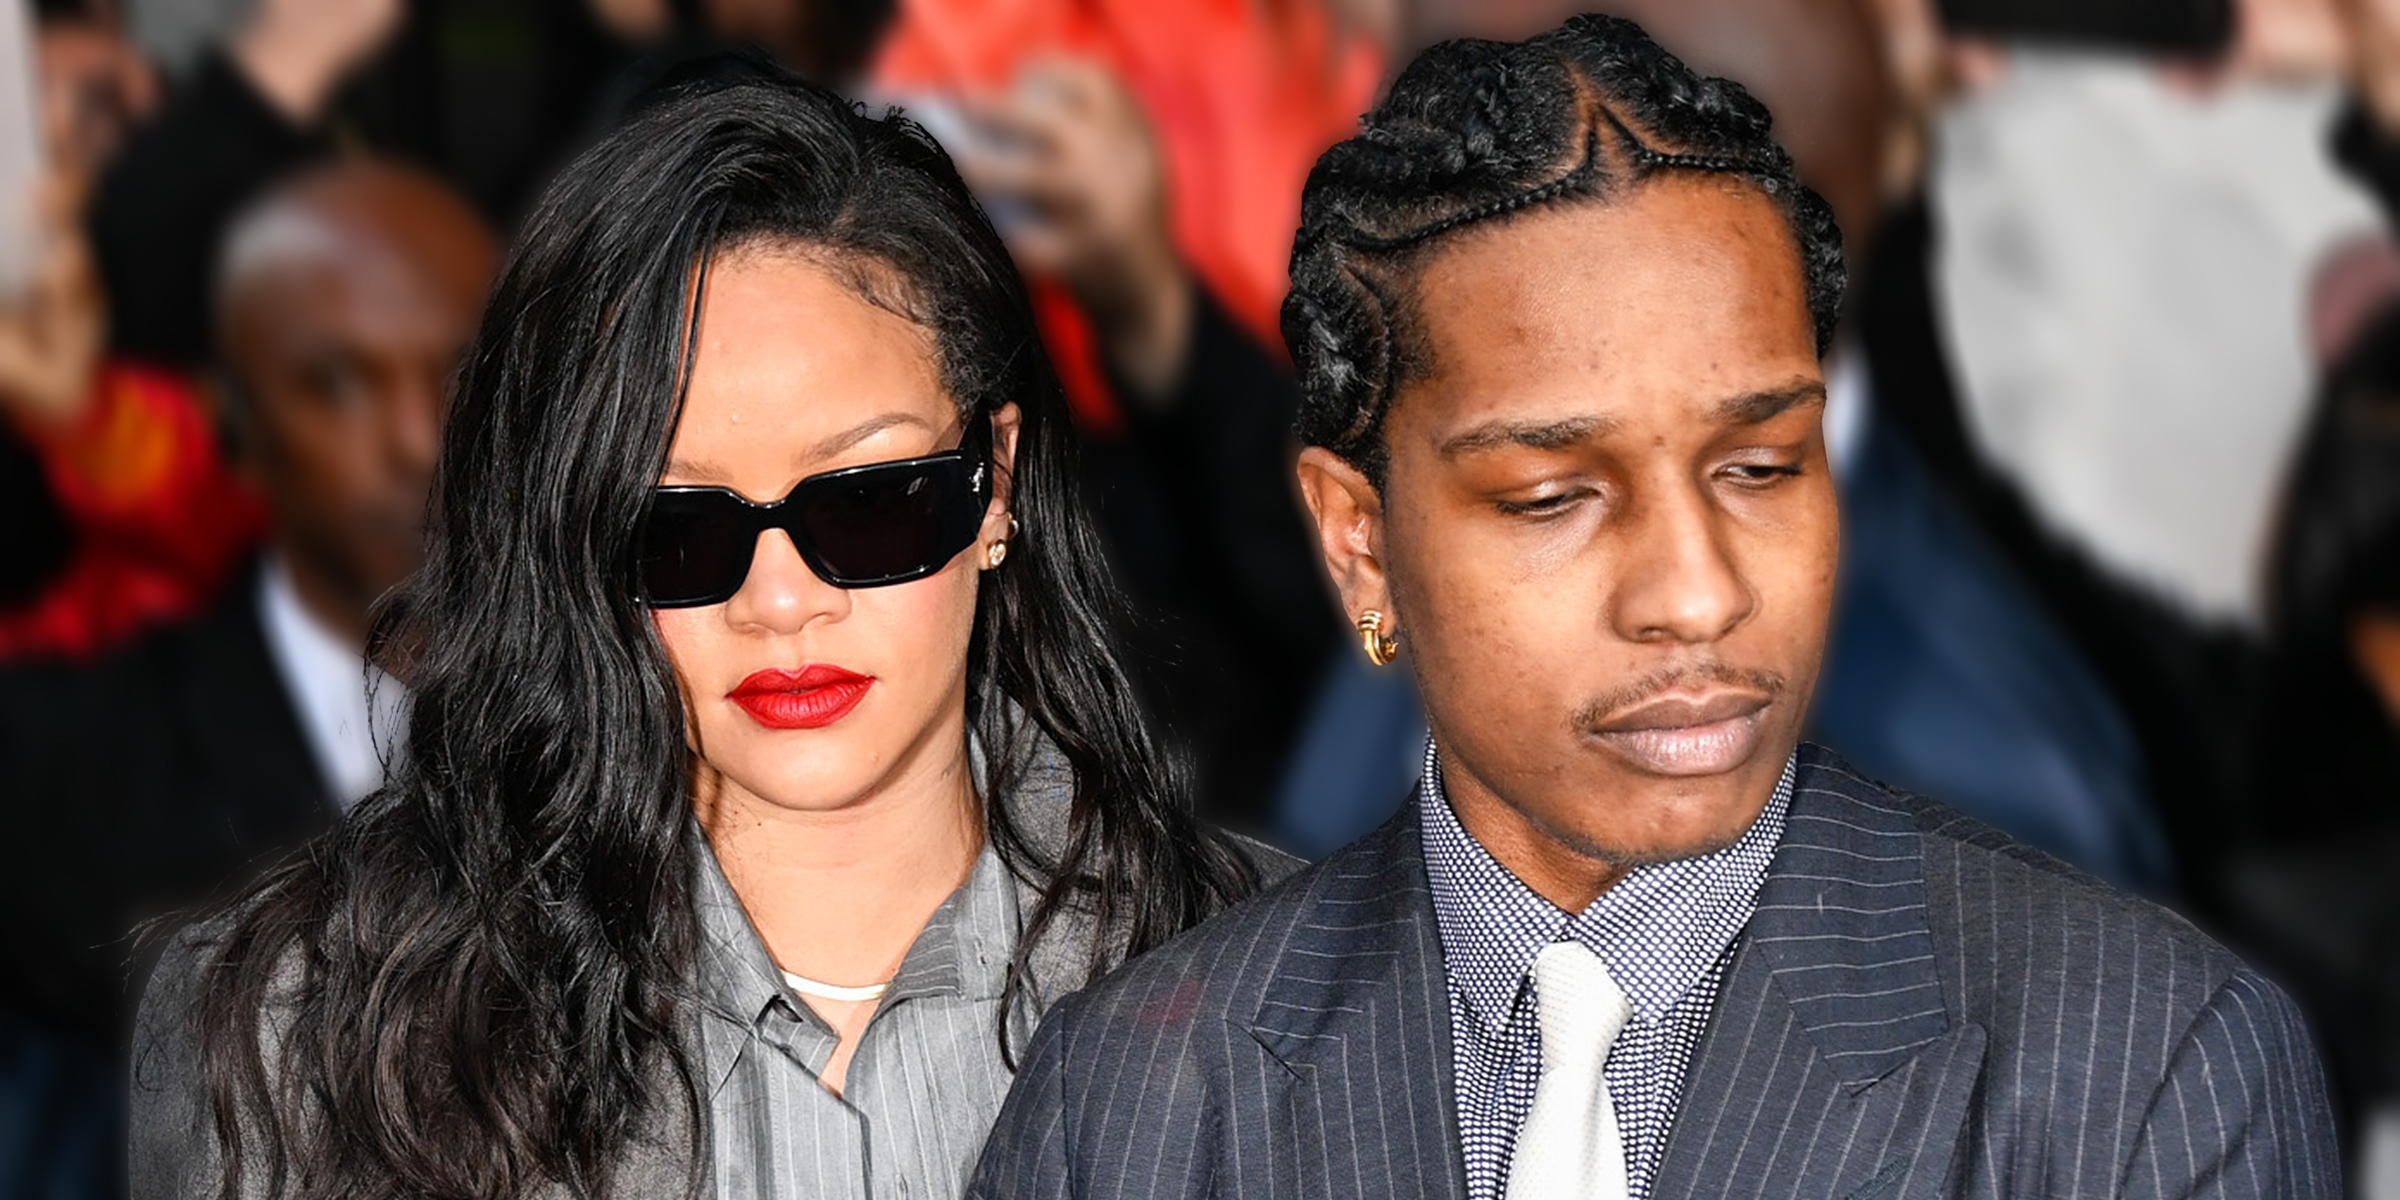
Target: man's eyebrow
(1751, 408)
(1532, 435)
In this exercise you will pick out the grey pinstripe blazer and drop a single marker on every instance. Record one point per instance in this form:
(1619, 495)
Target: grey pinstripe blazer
(1920, 1007)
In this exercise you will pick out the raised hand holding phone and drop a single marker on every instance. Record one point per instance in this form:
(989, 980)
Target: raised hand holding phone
(297, 52)
(1071, 152)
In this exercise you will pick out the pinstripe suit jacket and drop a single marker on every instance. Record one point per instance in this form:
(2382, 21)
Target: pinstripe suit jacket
(1919, 1007)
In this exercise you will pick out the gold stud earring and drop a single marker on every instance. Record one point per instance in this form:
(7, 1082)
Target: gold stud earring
(999, 552)
(1381, 650)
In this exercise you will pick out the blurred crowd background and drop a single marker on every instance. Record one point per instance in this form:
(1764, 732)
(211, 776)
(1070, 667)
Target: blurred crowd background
(2115, 419)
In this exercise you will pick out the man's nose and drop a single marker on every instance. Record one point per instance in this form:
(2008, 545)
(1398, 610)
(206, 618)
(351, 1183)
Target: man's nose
(1678, 582)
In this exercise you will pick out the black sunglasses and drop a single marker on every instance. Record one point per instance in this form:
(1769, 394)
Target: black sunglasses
(859, 527)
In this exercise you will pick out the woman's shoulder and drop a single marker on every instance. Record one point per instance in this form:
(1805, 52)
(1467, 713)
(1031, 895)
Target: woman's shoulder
(173, 1150)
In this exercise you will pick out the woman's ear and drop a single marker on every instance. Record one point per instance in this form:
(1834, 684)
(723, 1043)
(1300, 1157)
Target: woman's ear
(1006, 420)
(1349, 518)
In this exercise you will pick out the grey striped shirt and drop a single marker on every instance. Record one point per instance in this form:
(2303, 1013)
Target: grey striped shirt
(922, 1088)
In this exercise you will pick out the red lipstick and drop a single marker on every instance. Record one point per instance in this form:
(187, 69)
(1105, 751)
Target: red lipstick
(812, 697)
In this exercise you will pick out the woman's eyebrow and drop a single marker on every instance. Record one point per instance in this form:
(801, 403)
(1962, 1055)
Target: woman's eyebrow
(864, 430)
(710, 469)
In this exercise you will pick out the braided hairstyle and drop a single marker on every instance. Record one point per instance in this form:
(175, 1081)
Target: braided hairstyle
(1475, 131)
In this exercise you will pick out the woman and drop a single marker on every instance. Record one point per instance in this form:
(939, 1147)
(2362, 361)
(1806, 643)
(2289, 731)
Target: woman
(768, 770)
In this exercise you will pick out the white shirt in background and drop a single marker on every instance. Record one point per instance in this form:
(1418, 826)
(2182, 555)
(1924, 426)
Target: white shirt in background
(2122, 283)
(350, 711)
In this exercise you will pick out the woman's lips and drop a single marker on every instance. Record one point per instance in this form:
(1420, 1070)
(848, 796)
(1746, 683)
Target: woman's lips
(1679, 735)
(812, 697)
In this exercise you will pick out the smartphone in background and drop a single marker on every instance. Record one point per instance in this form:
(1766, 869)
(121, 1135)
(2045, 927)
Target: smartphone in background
(20, 152)
(2175, 28)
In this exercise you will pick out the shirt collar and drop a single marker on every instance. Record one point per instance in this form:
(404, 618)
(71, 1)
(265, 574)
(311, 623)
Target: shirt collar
(351, 712)
(1659, 929)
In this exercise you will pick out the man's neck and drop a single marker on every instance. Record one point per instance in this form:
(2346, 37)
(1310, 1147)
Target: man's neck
(1554, 870)
(334, 608)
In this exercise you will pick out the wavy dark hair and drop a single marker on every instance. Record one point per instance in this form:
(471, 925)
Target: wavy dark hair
(478, 983)
(1474, 132)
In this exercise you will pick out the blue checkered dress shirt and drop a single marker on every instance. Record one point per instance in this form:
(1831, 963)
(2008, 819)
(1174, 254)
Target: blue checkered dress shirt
(1665, 932)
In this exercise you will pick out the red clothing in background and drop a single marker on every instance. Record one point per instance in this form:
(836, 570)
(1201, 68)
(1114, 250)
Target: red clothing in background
(1244, 95)
(158, 518)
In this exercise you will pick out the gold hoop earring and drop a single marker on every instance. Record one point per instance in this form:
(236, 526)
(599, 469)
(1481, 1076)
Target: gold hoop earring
(1380, 650)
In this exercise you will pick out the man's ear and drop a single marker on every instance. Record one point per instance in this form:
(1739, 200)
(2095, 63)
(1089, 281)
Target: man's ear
(1349, 517)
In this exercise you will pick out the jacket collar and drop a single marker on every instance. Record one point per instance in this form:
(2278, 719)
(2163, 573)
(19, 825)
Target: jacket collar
(1838, 952)
(1841, 924)
(1358, 985)
(1831, 1008)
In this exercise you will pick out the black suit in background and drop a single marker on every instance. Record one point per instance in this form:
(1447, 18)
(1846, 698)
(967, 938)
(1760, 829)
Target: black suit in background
(159, 778)
(161, 208)
(1197, 502)
(491, 95)
(1919, 1007)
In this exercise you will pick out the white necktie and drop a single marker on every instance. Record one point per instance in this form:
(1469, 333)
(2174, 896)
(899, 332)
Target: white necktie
(1569, 1146)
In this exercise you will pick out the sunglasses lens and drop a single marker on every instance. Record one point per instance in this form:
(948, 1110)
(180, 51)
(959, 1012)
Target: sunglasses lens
(696, 548)
(886, 526)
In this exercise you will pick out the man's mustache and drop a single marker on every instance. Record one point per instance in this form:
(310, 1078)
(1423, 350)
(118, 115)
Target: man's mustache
(1710, 674)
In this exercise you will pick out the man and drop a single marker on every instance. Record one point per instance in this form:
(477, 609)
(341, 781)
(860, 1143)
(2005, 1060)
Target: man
(1559, 311)
(173, 770)
(1942, 674)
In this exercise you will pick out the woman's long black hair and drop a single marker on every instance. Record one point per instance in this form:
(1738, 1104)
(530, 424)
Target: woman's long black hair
(477, 985)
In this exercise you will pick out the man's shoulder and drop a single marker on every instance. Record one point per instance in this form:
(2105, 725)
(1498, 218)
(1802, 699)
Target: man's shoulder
(2005, 916)
(1220, 969)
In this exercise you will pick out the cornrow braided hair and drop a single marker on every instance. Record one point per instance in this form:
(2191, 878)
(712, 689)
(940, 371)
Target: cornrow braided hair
(1473, 132)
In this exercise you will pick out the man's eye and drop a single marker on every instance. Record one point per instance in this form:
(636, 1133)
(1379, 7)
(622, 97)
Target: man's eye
(336, 384)
(1541, 506)
(1761, 474)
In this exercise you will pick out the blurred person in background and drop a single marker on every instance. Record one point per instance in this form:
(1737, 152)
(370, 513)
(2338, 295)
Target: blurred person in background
(176, 766)
(2093, 292)
(121, 510)
(95, 84)
(490, 95)
(2313, 885)
(245, 115)
(125, 513)
(1144, 162)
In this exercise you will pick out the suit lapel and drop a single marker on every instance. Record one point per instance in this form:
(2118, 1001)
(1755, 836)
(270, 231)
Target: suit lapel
(248, 723)
(1832, 1065)
(1357, 1014)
